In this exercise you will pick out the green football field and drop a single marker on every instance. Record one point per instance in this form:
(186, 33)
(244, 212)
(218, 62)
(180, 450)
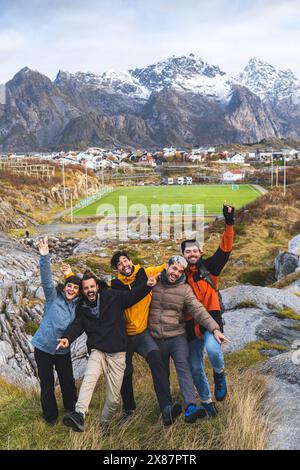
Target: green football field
(212, 196)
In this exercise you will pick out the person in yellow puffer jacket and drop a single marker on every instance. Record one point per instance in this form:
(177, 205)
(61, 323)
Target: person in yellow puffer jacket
(140, 341)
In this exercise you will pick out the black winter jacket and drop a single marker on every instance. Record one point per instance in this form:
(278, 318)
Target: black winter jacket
(106, 331)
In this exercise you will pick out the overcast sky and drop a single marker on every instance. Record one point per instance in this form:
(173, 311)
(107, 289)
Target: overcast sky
(96, 35)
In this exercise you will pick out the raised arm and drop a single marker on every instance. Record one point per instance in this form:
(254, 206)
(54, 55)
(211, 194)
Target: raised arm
(45, 271)
(217, 261)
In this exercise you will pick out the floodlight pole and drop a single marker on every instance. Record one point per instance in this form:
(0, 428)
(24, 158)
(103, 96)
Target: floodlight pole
(71, 200)
(284, 175)
(64, 183)
(86, 179)
(272, 169)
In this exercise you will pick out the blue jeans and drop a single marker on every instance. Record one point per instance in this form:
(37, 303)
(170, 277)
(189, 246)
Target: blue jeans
(196, 361)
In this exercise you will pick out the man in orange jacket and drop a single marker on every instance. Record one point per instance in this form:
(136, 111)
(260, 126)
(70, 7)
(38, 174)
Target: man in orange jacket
(203, 277)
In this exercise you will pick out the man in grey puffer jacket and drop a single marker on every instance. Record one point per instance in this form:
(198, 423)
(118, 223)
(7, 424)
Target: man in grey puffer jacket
(171, 298)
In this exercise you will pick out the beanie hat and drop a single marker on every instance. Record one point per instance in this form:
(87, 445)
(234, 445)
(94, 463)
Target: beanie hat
(73, 280)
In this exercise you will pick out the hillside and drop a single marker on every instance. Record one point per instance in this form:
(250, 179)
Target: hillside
(26, 201)
(262, 320)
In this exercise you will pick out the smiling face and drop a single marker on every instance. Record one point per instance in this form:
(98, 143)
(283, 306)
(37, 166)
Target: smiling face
(71, 291)
(192, 254)
(124, 266)
(174, 272)
(90, 289)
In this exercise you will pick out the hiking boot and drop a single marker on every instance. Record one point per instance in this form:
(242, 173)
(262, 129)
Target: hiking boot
(220, 386)
(126, 416)
(170, 413)
(193, 412)
(211, 409)
(74, 420)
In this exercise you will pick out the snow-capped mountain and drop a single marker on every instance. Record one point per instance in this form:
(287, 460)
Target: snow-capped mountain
(110, 81)
(181, 101)
(186, 73)
(270, 84)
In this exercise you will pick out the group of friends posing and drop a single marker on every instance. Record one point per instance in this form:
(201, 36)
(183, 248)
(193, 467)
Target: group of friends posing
(169, 311)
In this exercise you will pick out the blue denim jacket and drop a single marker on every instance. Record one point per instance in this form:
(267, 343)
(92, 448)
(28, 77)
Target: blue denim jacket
(58, 313)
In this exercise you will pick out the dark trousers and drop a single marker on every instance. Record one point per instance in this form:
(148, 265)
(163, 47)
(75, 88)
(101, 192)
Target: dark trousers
(177, 348)
(63, 365)
(145, 346)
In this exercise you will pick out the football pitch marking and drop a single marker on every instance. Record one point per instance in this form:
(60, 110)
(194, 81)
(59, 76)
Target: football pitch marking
(213, 197)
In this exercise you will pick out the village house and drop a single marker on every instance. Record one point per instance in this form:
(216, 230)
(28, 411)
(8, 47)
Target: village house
(237, 159)
(232, 176)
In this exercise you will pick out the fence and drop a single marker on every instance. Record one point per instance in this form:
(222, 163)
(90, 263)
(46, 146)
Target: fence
(29, 168)
(95, 197)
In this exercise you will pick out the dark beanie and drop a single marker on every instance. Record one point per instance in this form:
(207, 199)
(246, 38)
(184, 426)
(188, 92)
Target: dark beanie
(73, 280)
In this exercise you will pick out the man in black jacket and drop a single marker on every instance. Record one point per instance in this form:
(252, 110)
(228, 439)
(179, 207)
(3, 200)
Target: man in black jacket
(101, 316)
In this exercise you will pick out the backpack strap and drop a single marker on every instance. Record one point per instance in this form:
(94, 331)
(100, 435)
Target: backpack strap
(203, 273)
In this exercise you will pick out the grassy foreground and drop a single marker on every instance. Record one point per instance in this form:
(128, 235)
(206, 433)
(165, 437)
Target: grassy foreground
(240, 424)
(212, 196)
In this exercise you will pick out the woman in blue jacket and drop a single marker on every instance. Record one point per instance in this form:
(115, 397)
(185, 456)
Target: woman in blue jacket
(59, 312)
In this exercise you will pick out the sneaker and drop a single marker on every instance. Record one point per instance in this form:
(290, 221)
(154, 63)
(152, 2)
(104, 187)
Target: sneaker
(74, 420)
(104, 428)
(170, 413)
(126, 416)
(220, 386)
(193, 412)
(211, 409)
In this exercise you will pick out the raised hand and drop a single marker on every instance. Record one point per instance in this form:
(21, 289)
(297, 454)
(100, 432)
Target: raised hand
(62, 343)
(43, 247)
(66, 269)
(228, 212)
(152, 280)
(220, 337)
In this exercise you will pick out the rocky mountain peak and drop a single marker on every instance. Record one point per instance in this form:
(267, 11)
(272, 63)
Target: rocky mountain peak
(269, 83)
(174, 70)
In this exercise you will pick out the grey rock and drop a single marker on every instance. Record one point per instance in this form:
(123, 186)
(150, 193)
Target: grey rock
(240, 327)
(89, 245)
(6, 352)
(294, 245)
(265, 298)
(282, 406)
(283, 366)
(278, 331)
(285, 263)
(39, 293)
(17, 377)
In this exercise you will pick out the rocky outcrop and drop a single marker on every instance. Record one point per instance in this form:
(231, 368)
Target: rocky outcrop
(288, 262)
(261, 297)
(59, 247)
(21, 310)
(245, 325)
(282, 402)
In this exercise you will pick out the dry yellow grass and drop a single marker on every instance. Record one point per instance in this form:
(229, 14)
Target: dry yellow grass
(241, 424)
